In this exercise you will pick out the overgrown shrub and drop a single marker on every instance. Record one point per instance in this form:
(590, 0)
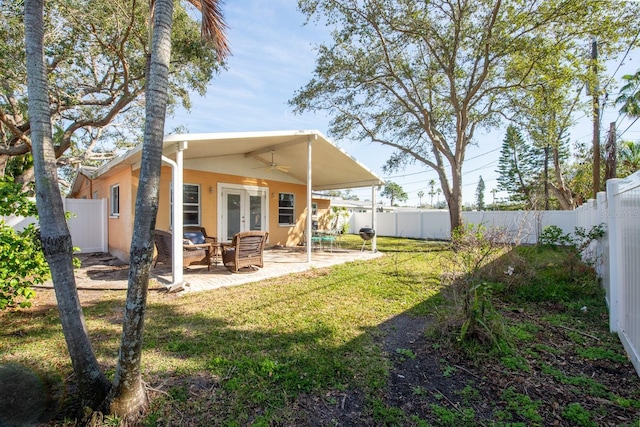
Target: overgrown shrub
(470, 311)
(578, 243)
(22, 260)
(552, 235)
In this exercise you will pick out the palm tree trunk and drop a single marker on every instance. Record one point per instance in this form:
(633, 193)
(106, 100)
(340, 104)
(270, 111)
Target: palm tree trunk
(56, 240)
(128, 396)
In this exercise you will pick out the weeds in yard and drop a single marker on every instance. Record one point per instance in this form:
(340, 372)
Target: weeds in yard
(578, 245)
(520, 405)
(601, 353)
(447, 369)
(470, 306)
(538, 296)
(451, 417)
(406, 352)
(578, 416)
(468, 393)
(386, 415)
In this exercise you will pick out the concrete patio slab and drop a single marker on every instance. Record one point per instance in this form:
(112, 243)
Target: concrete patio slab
(102, 271)
(277, 262)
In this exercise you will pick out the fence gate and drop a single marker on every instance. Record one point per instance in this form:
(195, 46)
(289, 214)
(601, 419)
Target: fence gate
(88, 224)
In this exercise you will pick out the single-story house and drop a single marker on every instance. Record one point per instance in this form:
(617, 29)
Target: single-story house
(230, 182)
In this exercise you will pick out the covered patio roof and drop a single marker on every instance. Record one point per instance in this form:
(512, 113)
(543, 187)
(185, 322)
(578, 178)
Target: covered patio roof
(331, 167)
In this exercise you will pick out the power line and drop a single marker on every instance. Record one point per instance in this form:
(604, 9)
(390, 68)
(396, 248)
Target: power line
(482, 167)
(483, 154)
(622, 60)
(632, 123)
(427, 171)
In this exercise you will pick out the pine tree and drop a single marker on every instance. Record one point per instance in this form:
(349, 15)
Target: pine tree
(519, 167)
(480, 194)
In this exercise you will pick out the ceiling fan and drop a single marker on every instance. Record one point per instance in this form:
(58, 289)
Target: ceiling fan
(274, 166)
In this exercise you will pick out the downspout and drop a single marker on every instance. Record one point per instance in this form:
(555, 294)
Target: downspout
(177, 229)
(309, 230)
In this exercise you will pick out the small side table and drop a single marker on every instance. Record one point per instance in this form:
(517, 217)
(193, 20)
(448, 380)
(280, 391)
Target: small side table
(216, 252)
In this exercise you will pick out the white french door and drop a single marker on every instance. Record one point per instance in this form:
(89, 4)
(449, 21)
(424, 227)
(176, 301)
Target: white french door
(242, 209)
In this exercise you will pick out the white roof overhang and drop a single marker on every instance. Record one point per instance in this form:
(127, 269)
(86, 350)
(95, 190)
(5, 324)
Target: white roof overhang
(250, 153)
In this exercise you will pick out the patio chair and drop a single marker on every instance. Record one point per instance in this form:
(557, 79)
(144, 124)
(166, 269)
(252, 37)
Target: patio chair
(191, 253)
(313, 239)
(198, 236)
(330, 237)
(246, 250)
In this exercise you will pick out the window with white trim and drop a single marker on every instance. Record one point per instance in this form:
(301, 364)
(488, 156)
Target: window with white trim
(114, 204)
(191, 204)
(286, 209)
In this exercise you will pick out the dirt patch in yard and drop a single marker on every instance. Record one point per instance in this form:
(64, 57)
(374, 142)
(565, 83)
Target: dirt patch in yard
(100, 275)
(552, 382)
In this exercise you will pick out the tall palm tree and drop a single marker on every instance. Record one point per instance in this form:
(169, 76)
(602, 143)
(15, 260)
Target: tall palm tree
(127, 396)
(629, 96)
(629, 99)
(420, 196)
(628, 158)
(432, 192)
(54, 233)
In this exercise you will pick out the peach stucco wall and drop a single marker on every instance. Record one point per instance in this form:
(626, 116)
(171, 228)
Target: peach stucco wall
(84, 190)
(121, 228)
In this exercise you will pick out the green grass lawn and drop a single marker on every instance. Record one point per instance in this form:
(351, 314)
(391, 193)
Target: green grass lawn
(248, 355)
(248, 350)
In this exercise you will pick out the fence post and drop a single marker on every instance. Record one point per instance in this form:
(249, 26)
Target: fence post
(615, 305)
(395, 222)
(601, 257)
(593, 214)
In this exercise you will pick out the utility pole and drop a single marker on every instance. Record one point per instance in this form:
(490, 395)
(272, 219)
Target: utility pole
(596, 118)
(610, 148)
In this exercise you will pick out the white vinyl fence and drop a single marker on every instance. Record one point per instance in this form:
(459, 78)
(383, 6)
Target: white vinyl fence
(87, 224)
(521, 226)
(618, 257)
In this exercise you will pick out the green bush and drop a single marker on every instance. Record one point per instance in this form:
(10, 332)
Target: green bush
(23, 264)
(470, 307)
(553, 235)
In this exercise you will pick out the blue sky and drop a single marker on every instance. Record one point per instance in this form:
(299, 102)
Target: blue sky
(273, 56)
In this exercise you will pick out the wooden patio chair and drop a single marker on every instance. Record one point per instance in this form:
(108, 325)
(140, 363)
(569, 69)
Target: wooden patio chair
(246, 250)
(191, 253)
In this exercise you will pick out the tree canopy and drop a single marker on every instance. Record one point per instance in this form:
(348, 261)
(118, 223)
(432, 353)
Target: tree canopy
(96, 53)
(394, 192)
(424, 77)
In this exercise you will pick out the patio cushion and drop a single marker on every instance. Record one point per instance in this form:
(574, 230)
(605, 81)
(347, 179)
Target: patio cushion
(196, 237)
